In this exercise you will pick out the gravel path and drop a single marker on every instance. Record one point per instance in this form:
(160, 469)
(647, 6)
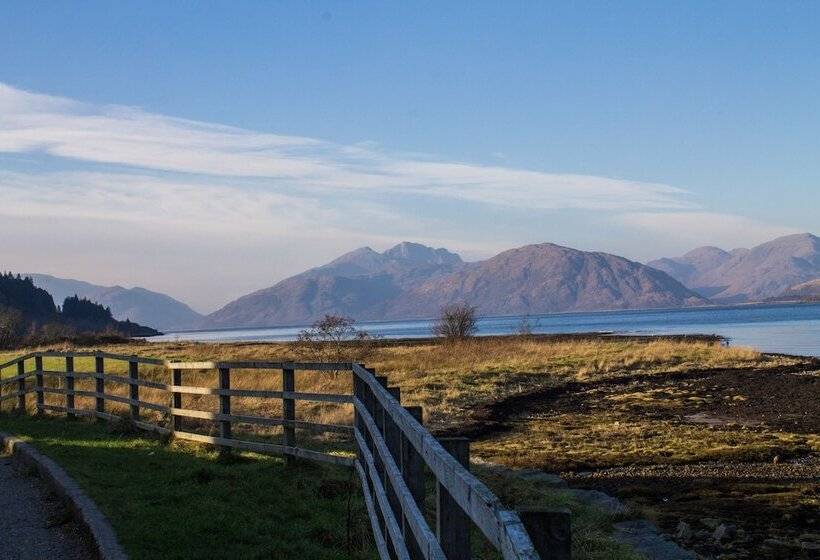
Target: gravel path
(32, 526)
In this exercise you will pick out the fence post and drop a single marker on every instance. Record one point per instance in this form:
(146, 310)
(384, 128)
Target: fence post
(134, 389)
(452, 524)
(100, 382)
(176, 400)
(69, 386)
(21, 386)
(412, 470)
(289, 411)
(393, 441)
(224, 409)
(550, 531)
(38, 376)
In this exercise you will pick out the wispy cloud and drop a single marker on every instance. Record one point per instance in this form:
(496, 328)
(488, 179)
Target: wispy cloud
(691, 229)
(164, 190)
(127, 136)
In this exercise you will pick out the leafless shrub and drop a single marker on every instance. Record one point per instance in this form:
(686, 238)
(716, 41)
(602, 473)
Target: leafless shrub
(12, 327)
(456, 321)
(335, 339)
(525, 326)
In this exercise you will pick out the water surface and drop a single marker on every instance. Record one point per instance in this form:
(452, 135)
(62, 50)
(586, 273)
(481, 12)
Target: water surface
(790, 329)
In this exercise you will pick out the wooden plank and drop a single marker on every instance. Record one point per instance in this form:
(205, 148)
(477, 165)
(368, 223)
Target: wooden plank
(192, 390)
(225, 408)
(300, 424)
(289, 406)
(315, 397)
(17, 360)
(38, 382)
(265, 448)
(189, 413)
(104, 355)
(51, 390)
(54, 408)
(21, 386)
(502, 527)
(176, 400)
(391, 524)
(381, 545)
(134, 389)
(452, 523)
(301, 366)
(69, 385)
(412, 470)
(430, 547)
(99, 369)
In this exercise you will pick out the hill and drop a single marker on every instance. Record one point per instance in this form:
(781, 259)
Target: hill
(806, 291)
(414, 281)
(28, 315)
(744, 275)
(135, 304)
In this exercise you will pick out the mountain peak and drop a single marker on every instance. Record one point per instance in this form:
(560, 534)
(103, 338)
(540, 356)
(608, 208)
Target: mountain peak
(421, 254)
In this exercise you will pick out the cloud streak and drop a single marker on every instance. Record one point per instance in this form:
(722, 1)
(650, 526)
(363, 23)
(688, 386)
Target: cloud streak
(131, 137)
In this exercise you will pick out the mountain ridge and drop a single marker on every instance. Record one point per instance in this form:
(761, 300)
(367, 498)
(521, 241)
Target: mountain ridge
(746, 275)
(411, 281)
(137, 304)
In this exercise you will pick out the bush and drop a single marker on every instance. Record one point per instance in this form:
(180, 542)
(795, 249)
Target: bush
(335, 339)
(456, 321)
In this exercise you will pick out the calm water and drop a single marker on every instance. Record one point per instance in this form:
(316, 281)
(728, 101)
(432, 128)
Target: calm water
(791, 329)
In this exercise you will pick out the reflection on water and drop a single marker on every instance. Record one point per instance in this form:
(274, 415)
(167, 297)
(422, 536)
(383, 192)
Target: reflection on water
(790, 329)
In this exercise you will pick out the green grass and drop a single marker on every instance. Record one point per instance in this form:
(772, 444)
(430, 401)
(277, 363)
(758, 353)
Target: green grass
(181, 501)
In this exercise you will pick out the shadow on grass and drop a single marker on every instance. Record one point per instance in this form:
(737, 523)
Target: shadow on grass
(182, 501)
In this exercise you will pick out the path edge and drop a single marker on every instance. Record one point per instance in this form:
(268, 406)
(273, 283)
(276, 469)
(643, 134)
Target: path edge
(83, 508)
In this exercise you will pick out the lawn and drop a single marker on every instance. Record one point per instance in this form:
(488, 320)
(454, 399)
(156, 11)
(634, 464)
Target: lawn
(181, 501)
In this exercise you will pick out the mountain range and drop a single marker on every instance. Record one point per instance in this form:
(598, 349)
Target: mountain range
(413, 281)
(135, 304)
(763, 272)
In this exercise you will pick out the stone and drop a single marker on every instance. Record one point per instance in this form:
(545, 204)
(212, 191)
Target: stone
(710, 522)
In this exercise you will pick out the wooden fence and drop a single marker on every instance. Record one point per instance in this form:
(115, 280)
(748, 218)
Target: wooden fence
(395, 456)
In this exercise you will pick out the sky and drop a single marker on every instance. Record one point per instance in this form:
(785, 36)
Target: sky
(209, 149)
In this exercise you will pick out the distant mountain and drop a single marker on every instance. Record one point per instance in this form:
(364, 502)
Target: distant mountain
(744, 275)
(28, 315)
(414, 281)
(135, 304)
(806, 291)
(361, 284)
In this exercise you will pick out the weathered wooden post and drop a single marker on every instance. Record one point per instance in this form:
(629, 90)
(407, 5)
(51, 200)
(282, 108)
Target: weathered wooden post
(452, 524)
(134, 389)
(176, 400)
(550, 531)
(412, 470)
(21, 386)
(392, 438)
(69, 387)
(224, 408)
(99, 374)
(289, 411)
(38, 377)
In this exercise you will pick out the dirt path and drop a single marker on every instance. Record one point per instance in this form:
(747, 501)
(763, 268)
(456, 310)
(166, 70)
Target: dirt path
(32, 526)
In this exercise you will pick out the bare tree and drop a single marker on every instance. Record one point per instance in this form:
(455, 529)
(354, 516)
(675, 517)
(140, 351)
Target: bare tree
(456, 321)
(335, 338)
(12, 326)
(525, 326)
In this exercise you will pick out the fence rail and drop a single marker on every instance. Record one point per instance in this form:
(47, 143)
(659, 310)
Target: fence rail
(394, 452)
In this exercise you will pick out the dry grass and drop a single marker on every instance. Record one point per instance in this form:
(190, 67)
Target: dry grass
(448, 380)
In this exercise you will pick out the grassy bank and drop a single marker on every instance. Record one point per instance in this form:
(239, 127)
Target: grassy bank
(179, 501)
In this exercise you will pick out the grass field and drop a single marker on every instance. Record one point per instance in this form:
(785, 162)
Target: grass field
(562, 405)
(181, 501)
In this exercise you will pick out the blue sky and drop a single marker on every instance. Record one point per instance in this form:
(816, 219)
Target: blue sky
(209, 149)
